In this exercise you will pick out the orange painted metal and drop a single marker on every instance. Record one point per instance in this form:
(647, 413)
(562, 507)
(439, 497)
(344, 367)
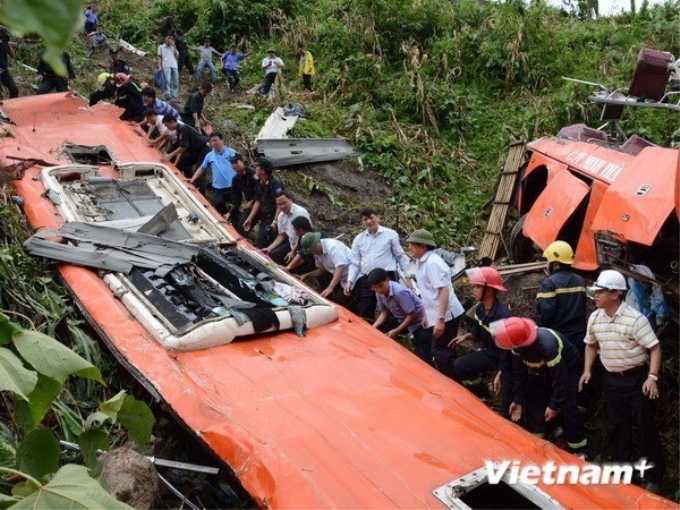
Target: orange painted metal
(636, 206)
(343, 418)
(629, 195)
(555, 205)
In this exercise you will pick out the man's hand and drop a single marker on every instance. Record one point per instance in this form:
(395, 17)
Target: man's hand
(498, 383)
(460, 339)
(288, 257)
(550, 414)
(327, 292)
(348, 289)
(246, 225)
(650, 388)
(393, 334)
(438, 330)
(165, 158)
(515, 412)
(583, 381)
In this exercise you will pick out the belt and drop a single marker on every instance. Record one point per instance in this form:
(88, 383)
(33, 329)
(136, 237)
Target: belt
(630, 371)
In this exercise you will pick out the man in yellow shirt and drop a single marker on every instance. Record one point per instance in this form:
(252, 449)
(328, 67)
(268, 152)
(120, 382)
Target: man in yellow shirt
(306, 68)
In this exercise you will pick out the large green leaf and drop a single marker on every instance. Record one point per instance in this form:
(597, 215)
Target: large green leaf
(30, 413)
(38, 454)
(52, 358)
(7, 501)
(7, 329)
(90, 441)
(14, 376)
(71, 488)
(137, 418)
(53, 21)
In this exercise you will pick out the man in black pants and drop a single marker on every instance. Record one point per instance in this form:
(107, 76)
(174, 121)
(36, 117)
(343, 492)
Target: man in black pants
(50, 79)
(7, 50)
(264, 207)
(377, 246)
(545, 373)
(191, 146)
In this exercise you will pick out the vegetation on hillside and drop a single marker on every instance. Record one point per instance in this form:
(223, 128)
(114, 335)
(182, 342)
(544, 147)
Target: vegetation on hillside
(430, 91)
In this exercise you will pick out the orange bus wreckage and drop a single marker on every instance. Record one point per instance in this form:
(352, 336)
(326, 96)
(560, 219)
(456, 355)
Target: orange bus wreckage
(343, 417)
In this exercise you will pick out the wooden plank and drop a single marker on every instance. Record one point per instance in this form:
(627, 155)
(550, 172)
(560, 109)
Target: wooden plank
(501, 202)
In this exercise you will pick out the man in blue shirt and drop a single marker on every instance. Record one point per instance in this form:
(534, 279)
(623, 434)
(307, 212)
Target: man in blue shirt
(400, 310)
(230, 62)
(219, 161)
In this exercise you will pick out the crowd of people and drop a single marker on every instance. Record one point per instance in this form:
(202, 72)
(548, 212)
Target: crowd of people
(540, 366)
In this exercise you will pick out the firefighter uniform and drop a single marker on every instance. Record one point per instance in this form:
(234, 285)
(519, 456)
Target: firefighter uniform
(561, 303)
(469, 368)
(546, 374)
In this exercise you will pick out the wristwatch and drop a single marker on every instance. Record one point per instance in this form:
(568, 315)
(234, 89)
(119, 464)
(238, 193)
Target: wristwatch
(441, 318)
(654, 377)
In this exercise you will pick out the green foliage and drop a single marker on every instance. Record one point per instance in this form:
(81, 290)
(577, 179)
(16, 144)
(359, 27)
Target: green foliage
(37, 379)
(71, 487)
(52, 21)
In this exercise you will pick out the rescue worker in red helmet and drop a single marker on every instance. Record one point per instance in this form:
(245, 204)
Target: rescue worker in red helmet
(486, 283)
(545, 371)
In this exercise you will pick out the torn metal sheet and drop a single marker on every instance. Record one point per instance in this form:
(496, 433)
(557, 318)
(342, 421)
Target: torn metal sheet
(160, 222)
(297, 151)
(277, 125)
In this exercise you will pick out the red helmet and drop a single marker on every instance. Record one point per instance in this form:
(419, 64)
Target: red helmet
(121, 78)
(514, 332)
(486, 276)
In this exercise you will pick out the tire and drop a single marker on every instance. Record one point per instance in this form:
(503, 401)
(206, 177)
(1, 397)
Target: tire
(521, 248)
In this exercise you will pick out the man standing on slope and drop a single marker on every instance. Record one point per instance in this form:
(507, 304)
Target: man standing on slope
(377, 246)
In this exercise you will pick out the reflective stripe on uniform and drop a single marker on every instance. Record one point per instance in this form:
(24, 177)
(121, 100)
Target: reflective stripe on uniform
(578, 446)
(558, 358)
(566, 290)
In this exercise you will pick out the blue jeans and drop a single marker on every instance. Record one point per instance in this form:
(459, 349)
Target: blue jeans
(171, 75)
(202, 64)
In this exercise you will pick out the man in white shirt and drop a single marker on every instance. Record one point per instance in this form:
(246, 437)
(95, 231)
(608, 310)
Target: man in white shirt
(272, 66)
(205, 53)
(331, 257)
(167, 62)
(281, 248)
(442, 307)
(375, 247)
(631, 355)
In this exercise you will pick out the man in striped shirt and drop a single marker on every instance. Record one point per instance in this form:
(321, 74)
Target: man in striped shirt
(631, 355)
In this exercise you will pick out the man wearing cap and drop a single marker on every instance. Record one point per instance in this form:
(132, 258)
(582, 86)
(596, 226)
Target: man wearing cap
(377, 246)
(219, 161)
(281, 248)
(264, 206)
(331, 257)
(106, 81)
(400, 311)
(442, 307)
(631, 355)
(191, 148)
(243, 186)
(272, 66)
(545, 373)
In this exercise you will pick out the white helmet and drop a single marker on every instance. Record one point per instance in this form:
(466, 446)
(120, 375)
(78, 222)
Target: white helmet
(611, 280)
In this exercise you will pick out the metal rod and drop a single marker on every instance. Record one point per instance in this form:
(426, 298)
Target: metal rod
(157, 462)
(178, 493)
